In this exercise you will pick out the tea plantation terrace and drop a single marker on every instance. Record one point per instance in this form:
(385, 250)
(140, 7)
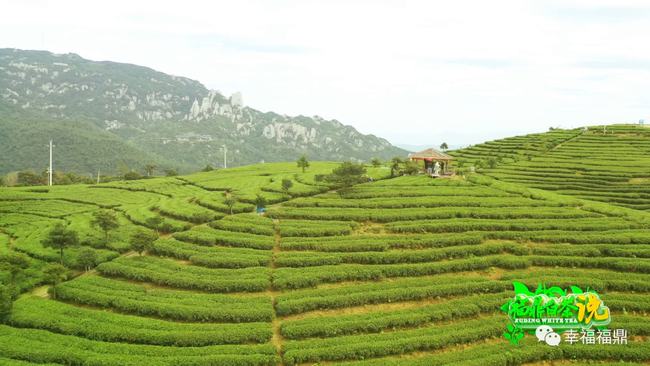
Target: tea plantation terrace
(399, 271)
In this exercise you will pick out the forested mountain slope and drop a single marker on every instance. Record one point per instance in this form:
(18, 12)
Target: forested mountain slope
(173, 121)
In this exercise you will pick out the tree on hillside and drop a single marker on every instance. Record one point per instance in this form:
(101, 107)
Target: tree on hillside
(132, 175)
(375, 162)
(60, 238)
(347, 174)
(208, 168)
(142, 241)
(87, 259)
(28, 178)
(286, 185)
(105, 220)
(13, 263)
(171, 172)
(411, 167)
(492, 162)
(395, 166)
(149, 169)
(444, 146)
(154, 222)
(54, 274)
(303, 163)
(230, 201)
(460, 168)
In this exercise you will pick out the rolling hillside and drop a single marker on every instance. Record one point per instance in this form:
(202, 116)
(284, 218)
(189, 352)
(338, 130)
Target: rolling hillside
(609, 164)
(401, 271)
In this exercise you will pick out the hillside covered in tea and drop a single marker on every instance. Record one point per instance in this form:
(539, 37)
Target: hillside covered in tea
(404, 270)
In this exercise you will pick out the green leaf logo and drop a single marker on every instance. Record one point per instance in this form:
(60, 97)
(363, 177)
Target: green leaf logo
(520, 288)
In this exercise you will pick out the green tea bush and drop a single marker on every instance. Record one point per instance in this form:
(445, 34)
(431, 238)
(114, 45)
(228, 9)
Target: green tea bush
(462, 225)
(215, 257)
(291, 278)
(169, 273)
(40, 346)
(389, 215)
(168, 304)
(306, 259)
(203, 235)
(302, 228)
(181, 209)
(330, 326)
(301, 301)
(247, 223)
(399, 342)
(35, 312)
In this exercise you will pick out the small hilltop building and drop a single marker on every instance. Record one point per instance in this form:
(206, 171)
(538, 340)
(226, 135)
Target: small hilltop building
(436, 163)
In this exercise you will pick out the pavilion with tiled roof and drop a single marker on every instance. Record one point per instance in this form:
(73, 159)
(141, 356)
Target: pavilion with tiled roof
(430, 157)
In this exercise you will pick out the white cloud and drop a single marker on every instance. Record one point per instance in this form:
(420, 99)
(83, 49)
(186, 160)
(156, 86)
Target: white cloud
(412, 71)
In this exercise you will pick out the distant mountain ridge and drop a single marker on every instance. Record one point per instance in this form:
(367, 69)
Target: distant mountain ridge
(134, 115)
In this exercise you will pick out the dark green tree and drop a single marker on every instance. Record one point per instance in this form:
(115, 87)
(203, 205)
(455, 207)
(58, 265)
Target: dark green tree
(303, 163)
(105, 220)
(492, 162)
(154, 222)
(230, 203)
(29, 178)
(60, 238)
(375, 162)
(395, 164)
(286, 185)
(444, 146)
(13, 263)
(229, 200)
(347, 174)
(171, 172)
(208, 168)
(150, 169)
(411, 167)
(53, 274)
(87, 259)
(142, 241)
(132, 175)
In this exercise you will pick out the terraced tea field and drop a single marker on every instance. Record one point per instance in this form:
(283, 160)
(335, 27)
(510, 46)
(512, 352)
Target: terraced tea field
(401, 271)
(609, 164)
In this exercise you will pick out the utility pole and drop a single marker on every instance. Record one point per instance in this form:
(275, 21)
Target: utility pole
(225, 154)
(97, 176)
(49, 170)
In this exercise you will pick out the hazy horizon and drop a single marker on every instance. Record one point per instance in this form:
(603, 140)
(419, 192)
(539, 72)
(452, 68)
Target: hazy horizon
(415, 74)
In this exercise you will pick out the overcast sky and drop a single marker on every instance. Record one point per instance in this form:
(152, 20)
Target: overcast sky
(417, 72)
